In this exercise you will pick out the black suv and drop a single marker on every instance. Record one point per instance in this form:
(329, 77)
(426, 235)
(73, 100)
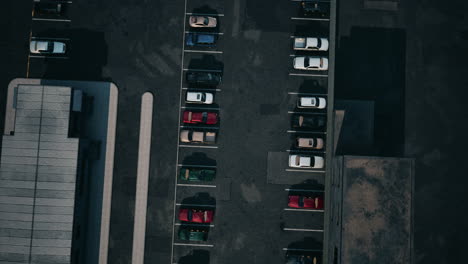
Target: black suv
(315, 8)
(203, 78)
(49, 9)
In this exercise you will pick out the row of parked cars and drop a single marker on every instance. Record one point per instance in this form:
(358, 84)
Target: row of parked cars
(306, 121)
(50, 10)
(196, 220)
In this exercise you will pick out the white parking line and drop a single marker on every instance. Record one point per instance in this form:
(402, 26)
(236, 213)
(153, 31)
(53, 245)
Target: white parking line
(49, 57)
(192, 224)
(51, 19)
(193, 245)
(197, 185)
(67, 2)
(200, 205)
(300, 249)
(199, 127)
(310, 18)
(303, 210)
(203, 14)
(302, 229)
(214, 33)
(204, 51)
(194, 106)
(302, 190)
(204, 89)
(198, 146)
(305, 170)
(195, 166)
(203, 70)
(306, 132)
(318, 151)
(50, 38)
(306, 113)
(178, 132)
(308, 74)
(310, 94)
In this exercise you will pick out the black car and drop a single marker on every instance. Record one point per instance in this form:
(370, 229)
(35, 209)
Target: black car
(203, 78)
(308, 121)
(302, 259)
(315, 8)
(49, 9)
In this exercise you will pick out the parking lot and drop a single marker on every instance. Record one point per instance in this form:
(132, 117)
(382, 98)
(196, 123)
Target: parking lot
(256, 103)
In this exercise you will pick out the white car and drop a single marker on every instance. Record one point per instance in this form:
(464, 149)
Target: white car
(310, 143)
(311, 63)
(47, 47)
(313, 44)
(312, 102)
(202, 21)
(199, 98)
(298, 161)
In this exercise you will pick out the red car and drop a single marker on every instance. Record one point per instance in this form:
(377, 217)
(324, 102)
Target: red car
(297, 201)
(207, 118)
(196, 216)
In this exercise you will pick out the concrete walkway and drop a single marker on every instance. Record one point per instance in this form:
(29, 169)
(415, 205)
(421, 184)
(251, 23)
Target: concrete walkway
(141, 199)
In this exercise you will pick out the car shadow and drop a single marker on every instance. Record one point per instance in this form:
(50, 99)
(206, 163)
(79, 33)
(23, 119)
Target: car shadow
(199, 159)
(206, 63)
(203, 198)
(314, 86)
(307, 245)
(306, 188)
(196, 256)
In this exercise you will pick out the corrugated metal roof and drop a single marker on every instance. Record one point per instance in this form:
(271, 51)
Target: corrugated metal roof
(37, 178)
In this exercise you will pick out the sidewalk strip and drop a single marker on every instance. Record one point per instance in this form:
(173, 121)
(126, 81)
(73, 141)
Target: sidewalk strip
(141, 197)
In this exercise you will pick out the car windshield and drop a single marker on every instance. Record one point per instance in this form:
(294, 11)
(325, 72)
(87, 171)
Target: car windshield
(319, 42)
(50, 46)
(306, 62)
(301, 201)
(203, 97)
(206, 20)
(189, 215)
(321, 62)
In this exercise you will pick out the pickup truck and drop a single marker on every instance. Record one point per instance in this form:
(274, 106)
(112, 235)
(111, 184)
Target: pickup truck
(197, 174)
(313, 44)
(190, 136)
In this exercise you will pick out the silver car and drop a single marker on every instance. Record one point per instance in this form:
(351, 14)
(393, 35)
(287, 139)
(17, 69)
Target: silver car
(202, 21)
(46, 47)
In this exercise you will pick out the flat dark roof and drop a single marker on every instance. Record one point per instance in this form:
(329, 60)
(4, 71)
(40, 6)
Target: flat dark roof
(377, 212)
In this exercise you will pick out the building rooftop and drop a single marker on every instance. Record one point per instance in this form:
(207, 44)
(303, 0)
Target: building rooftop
(377, 209)
(37, 177)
